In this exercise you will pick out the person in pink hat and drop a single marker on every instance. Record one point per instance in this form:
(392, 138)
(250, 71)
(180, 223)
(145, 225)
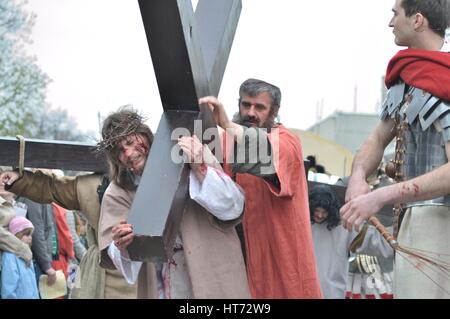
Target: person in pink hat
(18, 278)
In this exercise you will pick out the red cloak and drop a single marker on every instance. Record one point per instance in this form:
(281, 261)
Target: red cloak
(277, 228)
(426, 70)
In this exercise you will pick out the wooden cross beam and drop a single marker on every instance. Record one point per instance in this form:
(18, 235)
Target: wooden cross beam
(52, 154)
(189, 53)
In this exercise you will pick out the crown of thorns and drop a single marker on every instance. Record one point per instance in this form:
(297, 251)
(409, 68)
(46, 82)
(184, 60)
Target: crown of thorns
(118, 129)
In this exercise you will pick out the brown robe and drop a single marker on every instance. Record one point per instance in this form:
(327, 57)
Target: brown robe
(212, 249)
(78, 193)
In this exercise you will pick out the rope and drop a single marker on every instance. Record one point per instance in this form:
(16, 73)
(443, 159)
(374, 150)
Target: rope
(21, 154)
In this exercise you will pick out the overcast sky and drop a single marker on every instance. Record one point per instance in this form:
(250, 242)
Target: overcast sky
(96, 54)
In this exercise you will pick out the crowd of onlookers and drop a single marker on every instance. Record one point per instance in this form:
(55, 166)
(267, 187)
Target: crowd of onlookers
(57, 240)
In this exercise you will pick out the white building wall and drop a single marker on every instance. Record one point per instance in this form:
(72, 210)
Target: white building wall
(347, 129)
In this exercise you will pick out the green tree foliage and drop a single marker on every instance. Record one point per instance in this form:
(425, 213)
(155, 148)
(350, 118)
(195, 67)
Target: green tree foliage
(22, 83)
(23, 106)
(58, 125)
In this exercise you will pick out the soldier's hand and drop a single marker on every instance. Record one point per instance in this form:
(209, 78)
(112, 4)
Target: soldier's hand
(357, 186)
(359, 209)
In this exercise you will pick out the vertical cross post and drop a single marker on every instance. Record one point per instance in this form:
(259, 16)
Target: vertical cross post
(189, 53)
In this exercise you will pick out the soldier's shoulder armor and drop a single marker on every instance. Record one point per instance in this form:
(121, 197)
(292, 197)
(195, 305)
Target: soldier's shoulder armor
(423, 106)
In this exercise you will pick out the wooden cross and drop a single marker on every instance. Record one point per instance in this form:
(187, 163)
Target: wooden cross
(189, 53)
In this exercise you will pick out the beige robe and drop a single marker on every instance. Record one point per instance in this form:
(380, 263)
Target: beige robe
(79, 193)
(211, 248)
(424, 228)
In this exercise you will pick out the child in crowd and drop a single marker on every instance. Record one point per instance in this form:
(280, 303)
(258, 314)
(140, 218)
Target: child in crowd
(18, 279)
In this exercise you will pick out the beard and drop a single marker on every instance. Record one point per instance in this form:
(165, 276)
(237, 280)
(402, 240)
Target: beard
(252, 122)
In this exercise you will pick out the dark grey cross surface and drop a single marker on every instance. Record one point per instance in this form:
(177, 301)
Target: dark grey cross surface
(64, 155)
(189, 53)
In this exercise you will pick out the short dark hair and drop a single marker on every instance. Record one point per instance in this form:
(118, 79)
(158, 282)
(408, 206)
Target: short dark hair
(253, 87)
(312, 160)
(437, 12)
(324, 197)
(126, 121)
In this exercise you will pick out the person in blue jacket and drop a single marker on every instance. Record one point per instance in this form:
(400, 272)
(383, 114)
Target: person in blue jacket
(18, 279)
